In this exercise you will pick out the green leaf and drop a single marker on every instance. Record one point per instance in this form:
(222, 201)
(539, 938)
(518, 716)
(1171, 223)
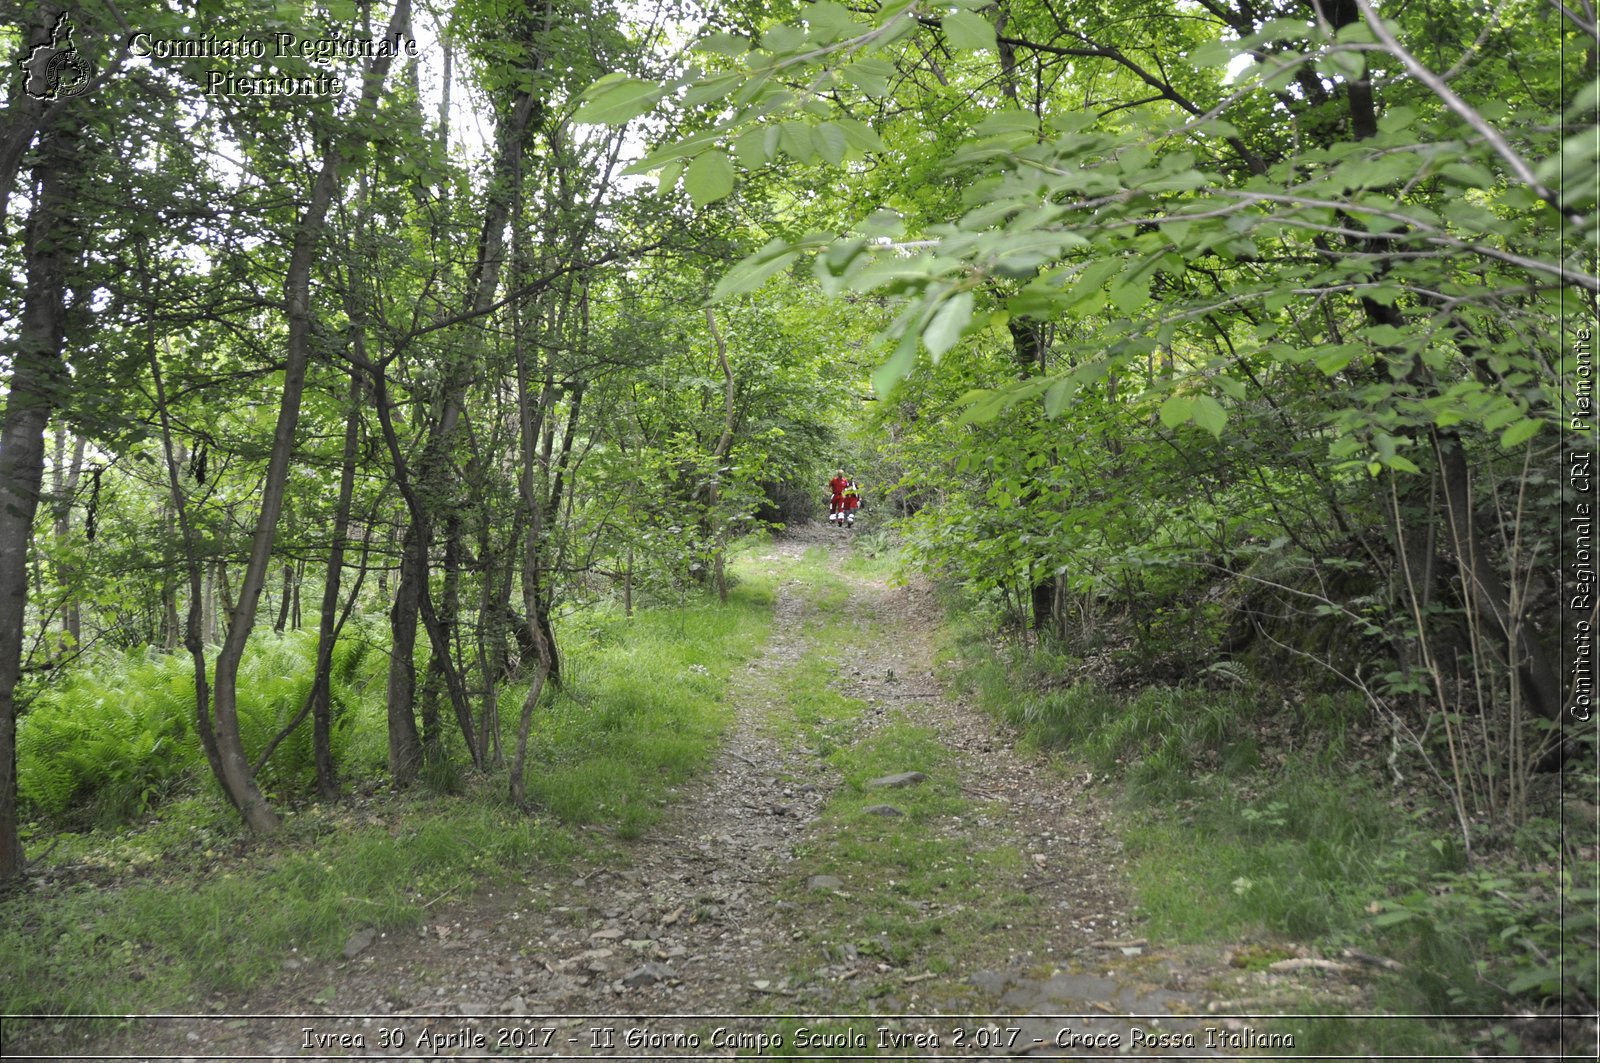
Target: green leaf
(947, 324)
(1130, 296)
(1401, 463)
(1537, 978)
(899, 364)
(871, 75)
(723, 44)
(711, 90)
(1519, 433)
(1177, 410)
(616, 98)
(1008, 120)
(1393, 916)
(1335, 359)
(1211, 54)
(1234, 389)
(859, 135)
(1055, 398)
(667, 180)
(1348, 65)
(783, 38)
(750, 148)
(750, 273)
(1209, 414)
(709, 178)
(1467, 174)
(967, 31)
(799, 141)
(832, 143)
(829, 21)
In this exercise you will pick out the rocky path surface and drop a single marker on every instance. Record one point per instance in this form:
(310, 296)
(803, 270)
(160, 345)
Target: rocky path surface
(692, 941)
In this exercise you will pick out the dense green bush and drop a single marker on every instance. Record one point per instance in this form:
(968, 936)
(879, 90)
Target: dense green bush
(110, 739)
(117, 735)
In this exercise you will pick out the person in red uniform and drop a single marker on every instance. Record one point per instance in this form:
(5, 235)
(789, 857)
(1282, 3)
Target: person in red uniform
(852, 501)
(836, 503)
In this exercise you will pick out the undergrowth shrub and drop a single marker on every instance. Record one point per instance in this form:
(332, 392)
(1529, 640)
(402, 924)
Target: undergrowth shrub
(110, 739)
(1161, 736)
(1519, 933)
(1326, 847)
(117, 736)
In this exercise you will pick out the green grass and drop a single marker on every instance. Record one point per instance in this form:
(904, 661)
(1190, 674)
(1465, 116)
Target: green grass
(185, 907)
(911, 895)
(1312, 848)
(188, 917)
(642, 709)
(1300, 861)
(918, 895)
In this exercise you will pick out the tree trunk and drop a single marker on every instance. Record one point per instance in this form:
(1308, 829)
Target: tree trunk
(405, 744)
(627, 585)
(37, 379)
(194, 627)
(1029, 350)
(297, 305)
(64, 485)
(321, 683)
(1485, 589)
(532, 575)
(422, 497)
(530, 418)
(283, 605)
(210, 630)
(719, 454)
(491, 648)
(449, 608)
(24, 116)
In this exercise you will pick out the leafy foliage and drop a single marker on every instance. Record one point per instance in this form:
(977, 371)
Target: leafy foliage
(115, 738)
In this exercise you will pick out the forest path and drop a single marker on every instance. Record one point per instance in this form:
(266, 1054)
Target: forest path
(985, 899)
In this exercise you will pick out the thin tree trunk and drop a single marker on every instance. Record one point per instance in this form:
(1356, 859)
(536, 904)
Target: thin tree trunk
(1485, 589)
(421, 498)
(283, 605)
(223, 614)
(531, 573)
(208, 607)
(530, 418)
(718, 456)
(449, 608)
(627, 585)
(297, 303)
(194, 626)
(321, 683)
(37, 377)
(1030, 352)
(64, 486)
(405, 744)
(169, 591)
(490, 647)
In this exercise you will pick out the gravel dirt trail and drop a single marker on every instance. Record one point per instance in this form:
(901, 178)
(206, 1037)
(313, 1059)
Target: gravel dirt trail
(689, 942)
